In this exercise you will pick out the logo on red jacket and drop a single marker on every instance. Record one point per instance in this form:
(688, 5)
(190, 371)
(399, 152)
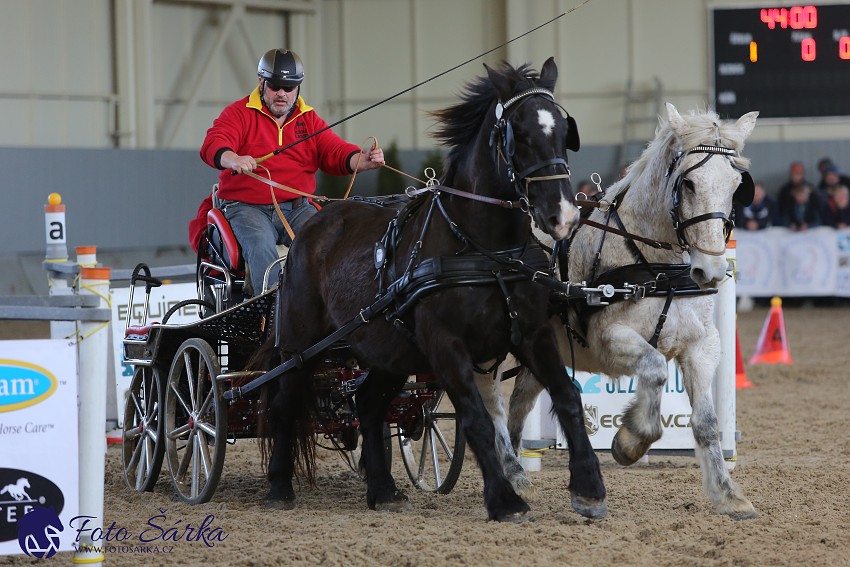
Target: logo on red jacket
(300, 129)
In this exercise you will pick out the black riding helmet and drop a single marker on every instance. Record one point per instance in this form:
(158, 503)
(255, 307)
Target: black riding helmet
(281, 67)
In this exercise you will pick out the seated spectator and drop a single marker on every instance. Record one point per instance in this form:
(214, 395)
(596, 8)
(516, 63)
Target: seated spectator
(758, 215)
(805, 209)
(796, 176)
(832, 178)
(827, 165)
(837, 211)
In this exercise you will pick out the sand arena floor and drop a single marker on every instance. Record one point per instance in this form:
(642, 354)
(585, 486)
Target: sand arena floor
(794, 465)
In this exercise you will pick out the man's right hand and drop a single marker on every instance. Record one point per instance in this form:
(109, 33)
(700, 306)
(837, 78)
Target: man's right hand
(239, 164)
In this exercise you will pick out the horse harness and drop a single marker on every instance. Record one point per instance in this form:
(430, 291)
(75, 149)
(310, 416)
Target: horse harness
(397, 293)
(657, 279)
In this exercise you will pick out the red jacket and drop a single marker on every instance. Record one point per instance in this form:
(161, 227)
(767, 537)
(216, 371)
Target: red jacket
(247, 128)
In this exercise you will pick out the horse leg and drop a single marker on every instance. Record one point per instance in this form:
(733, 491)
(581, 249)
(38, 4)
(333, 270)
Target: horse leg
(491, 394)
(698, 371)
(627, 353)
(281, 466)
(373, 399)
(525, 392)
(453, 367)
(587, 491)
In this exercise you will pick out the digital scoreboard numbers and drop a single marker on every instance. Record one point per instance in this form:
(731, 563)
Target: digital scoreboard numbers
(784, 61)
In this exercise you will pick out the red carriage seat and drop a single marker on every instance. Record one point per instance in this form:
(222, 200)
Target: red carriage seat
(222, 243)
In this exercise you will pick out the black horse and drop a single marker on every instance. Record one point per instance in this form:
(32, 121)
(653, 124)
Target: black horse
(452, 266)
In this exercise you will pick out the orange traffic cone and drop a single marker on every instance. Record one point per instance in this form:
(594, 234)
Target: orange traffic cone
(773, 345)
(741, 380)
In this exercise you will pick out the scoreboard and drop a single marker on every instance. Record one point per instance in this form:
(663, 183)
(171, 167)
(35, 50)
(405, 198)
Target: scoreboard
(789, 61)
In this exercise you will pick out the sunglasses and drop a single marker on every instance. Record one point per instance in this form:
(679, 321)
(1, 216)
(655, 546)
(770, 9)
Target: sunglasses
(275, 88)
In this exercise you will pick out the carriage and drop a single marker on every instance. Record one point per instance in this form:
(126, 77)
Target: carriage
(176, 408)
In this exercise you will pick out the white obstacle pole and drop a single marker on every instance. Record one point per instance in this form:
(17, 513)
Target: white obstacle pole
(93, 344)
(57, 252)
(531, 432)
(724, 386)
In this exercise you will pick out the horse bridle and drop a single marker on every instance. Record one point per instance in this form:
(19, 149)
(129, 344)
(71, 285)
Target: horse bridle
(505, 148)
(742, 193)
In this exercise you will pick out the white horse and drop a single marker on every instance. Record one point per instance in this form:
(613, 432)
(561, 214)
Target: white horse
(17, 490)
(691, 170)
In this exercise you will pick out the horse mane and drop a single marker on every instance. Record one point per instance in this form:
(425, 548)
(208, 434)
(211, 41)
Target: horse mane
(704, 127)
(458, 124)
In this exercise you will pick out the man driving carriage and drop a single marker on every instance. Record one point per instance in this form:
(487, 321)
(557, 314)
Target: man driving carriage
(274, 116)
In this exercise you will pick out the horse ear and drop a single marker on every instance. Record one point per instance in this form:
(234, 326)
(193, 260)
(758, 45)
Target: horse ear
(573, 141)
(746, 123)
(677, 123)
(500, 83)
(549, 71)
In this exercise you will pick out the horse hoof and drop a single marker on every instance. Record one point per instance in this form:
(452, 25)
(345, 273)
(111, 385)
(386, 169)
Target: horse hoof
(627, 448)
(280, 504)
(746, 515)
(398, 503)
(525, 489)
(589, 507)
(514, 518)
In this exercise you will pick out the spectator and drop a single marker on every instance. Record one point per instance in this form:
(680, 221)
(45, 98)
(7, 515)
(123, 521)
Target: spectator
(832, 178)
(837, 211)
(758, 215)
(796, 176)
(826, 164)
(805, 209)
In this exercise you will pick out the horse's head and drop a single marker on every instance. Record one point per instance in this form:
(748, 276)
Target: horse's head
(530, 137)
(706, 172)
(508, 139)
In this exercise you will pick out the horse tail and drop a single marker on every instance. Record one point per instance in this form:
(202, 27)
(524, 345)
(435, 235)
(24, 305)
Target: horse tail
(305, 411)
(264, 358)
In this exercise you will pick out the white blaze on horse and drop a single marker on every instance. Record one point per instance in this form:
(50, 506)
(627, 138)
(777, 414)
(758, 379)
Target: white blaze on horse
(690, 172)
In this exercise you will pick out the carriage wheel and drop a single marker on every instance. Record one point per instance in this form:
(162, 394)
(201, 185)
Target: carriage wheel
(433, 460)
(143, 445)
(195, 422)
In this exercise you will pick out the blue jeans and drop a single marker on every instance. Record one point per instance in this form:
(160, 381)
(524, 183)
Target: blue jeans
(258, 229)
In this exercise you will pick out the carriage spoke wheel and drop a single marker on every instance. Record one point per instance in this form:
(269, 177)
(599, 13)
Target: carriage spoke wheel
(433, 460)
(143, 444)
(195, 422)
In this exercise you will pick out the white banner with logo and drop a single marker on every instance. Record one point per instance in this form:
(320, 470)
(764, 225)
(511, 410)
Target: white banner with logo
(605, 400)
(161, 300)
(39, 466)
(777, 261)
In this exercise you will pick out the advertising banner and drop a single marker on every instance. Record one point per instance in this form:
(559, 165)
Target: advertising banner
(605, 399)
(39, 465)
(777, 261)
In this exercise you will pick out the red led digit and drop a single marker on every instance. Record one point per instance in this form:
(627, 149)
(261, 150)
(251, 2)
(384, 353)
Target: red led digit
(781, 16)
(796, 19)
(810, 16)
(767, 18)
(807, 49)
(844, 47)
